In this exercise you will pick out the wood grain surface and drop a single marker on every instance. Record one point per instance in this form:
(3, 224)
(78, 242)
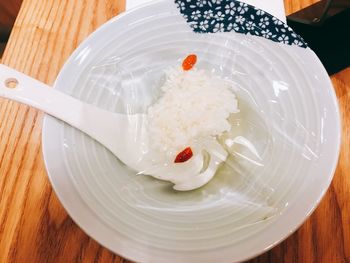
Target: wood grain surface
(34, 227)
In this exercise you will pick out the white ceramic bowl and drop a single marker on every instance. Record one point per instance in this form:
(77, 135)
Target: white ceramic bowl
(288, 110)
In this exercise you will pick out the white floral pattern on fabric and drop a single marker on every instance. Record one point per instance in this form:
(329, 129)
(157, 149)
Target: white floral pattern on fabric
(208, 14)
(219, 27)
(230, 9)
(240, 20)
(235, 26)
(266, 33)
(242, 8)
(211, 16)
(260, 12)
(298, 42)
(250, 25)
(220, 16)
(283, 38)
(196, 15)
(276, 21)
(194, 26)
(180, 5)
(201, 3)
(203, 25)
(264, 22)
(218, 2)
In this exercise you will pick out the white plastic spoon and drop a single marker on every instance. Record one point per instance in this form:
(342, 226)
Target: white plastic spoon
(124, 135)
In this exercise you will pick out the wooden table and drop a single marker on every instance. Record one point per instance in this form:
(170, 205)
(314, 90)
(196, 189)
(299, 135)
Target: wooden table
(34, 227)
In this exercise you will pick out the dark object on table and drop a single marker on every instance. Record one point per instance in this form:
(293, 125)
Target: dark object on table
(325, 26)
(4, 34)
(8, 13)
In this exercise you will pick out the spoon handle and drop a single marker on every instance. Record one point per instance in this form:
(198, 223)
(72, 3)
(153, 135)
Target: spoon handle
(19, 87)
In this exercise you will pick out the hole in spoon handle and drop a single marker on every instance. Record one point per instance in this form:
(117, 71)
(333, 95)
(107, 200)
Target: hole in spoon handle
(11, 83)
